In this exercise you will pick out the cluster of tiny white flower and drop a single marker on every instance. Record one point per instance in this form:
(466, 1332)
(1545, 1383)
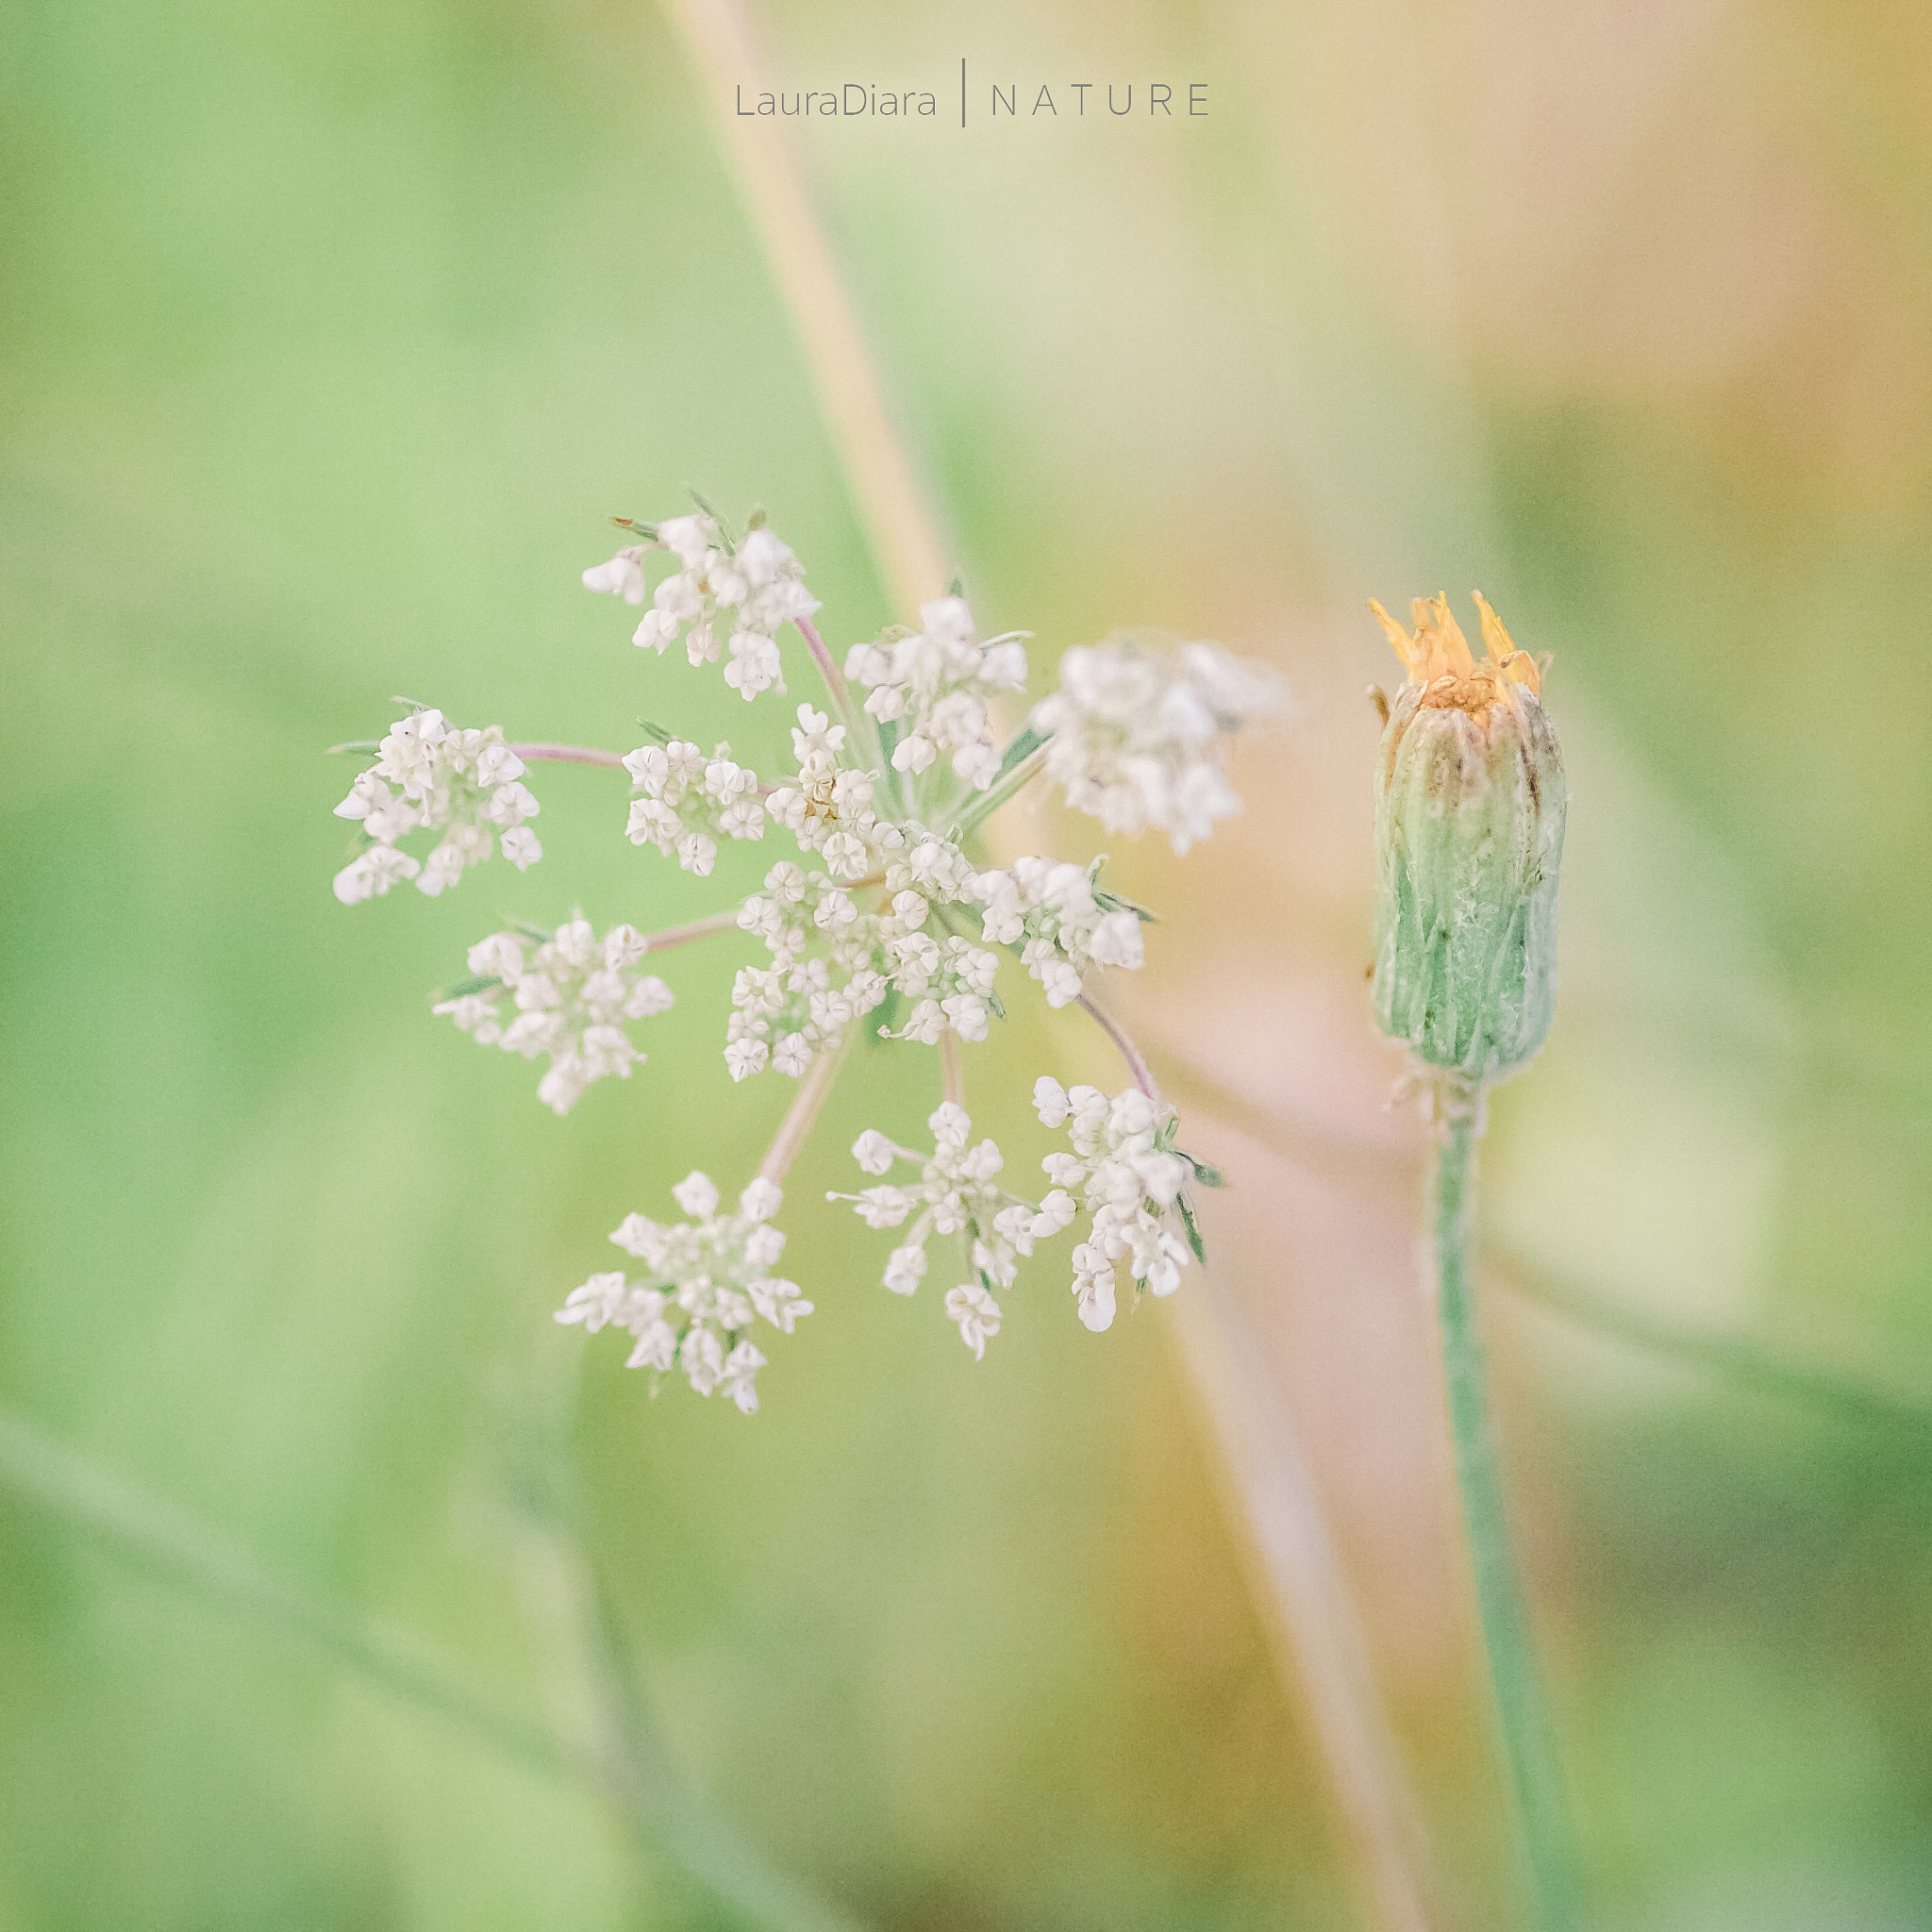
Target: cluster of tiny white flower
(828, 807)
(938, 686)
(568, 1001)
(786, 1014)
(759, 582)
(1049, 909)
(956, 1194)
(690, 801)
(431, 776)
(706, 1279)
(1133, 730)
(1130, 1177)
(948, 979)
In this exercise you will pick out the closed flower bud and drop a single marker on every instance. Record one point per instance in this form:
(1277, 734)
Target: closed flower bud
(1469, 832)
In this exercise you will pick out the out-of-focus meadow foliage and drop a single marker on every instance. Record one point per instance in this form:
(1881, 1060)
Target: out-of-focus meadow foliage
(330, 335)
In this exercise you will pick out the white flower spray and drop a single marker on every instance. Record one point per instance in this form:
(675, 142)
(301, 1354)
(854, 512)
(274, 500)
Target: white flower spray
(879, 917)
(431, 777)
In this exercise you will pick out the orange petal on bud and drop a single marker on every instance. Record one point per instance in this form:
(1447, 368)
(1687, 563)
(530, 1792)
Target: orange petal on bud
(1513, 664)
(1442, 638)
(1398, 637)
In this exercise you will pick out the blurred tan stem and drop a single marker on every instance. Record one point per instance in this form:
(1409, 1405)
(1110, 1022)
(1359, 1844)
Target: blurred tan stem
(893, 503)
(1324, 1652)
(1292, 1562)
(952, 1075)
(683, 935)
(804, 1109)
(566, 754)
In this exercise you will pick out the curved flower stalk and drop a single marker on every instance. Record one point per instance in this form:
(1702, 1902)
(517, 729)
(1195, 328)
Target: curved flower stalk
(879, 916)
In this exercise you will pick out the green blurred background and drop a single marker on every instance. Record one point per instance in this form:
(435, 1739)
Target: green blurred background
(329, 337)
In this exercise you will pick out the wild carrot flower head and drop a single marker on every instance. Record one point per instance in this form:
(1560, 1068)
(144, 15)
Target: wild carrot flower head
(876, 913)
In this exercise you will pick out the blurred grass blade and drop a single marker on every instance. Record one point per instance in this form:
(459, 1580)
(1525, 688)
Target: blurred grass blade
(1272, 1493)
(167, 1541)
(1725, 1356)
(540, 1481)
(164, 1539)
(706, 1845)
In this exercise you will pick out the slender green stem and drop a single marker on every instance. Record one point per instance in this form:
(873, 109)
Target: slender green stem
(1527, 1742)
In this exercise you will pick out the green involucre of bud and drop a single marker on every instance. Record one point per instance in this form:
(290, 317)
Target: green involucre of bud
(1469, 833)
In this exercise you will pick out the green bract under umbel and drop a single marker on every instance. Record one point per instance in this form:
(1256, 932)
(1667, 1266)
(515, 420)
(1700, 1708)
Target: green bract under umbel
(1469, 834)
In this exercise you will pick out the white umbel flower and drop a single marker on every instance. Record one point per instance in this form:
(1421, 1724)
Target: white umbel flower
(938, 685)
(719, 597)
(705, 1282)
(823, 973)
(430, 775)
(568, 1000)
(957, 1193)
(1136, 731)
(1051, 911)
(829, 806)
(689, 802)
(1126, 1172)
(977, 1314)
